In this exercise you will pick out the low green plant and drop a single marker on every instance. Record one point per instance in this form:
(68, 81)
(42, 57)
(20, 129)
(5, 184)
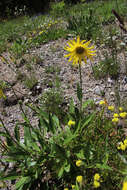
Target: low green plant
(51, 34)
(19, 47)
(46, 155)
(57, 9)
(30, 81)
(106, 67)
(52, 69)
(52, 101)
(85, 25)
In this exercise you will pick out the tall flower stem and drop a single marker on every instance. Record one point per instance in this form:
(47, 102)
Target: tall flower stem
(80, 76)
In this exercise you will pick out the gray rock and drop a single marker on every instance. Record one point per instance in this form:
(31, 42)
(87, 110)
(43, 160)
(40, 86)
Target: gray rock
(98, 90)
(114, 38)
(125, 87)
(110, 81)
(26, 101)
(30, 93)
(112, 93)
(122, 44)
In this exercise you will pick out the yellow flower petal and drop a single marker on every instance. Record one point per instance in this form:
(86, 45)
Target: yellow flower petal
(79, 179)
(79, 51)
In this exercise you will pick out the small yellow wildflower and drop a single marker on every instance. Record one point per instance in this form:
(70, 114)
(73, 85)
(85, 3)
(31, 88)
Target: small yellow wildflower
(2, 94)
(97, 177)
(73, 186)
(120, 109)
(115, 120)
(70, 123)
(78, 163)
(102, 102)
(41, 32)
(66, 189)
(121, 146)
(96, 184)
(111, 108)
(124, 185)
(79, 179)
(115, 115)
(123, 114)
(125, 142)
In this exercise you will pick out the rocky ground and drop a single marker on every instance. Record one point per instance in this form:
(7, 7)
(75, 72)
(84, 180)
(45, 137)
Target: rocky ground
(51, 55)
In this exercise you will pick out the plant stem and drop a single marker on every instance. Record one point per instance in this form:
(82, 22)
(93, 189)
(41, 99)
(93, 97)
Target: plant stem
(80, 75)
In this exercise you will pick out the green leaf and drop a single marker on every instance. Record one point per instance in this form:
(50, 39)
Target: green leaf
(51, 123)
(71, 106)
(4, 134)
(88, 120)
(79, 92)
(103, 167)
(16, 132)
(80, 155)
(60, 173)
(86, 103)
(10, 176)
(22, 181)
(67, 168)
(56, 121)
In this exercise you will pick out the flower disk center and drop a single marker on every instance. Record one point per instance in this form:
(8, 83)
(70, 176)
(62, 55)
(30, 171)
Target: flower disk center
(80, 50)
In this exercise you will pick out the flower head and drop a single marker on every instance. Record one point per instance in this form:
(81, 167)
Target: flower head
(120, 109)
(124, 185)
(66, 189)
(96, 184)
(78, 163)
(79, 179)
(97, 180)
(41, 32)
(70, 123)
(73, 186)
(123, 114)
(125, 142)
(79, 51)
(121, 146)
(115, 120)
(111, 108)
(97, 177)
(115, 115)
(102, 102)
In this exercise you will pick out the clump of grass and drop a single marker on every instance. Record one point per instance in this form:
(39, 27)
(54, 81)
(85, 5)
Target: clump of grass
(106, 67)
(30, 81)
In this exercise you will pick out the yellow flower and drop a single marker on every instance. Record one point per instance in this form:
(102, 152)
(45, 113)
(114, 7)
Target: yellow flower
(111, 108)
(115, 120)
(73, 186)
(123, 114)
(78, 51)
(124, 185)
(79, 179)
(97, 177)
(66, 189)
(70, 123)
(78, 163)
(41, 32)
(96, 184)
(2, 94)
(102, 102)
(121, 146)
(120, 109)
(115, 115)
(125, 142)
